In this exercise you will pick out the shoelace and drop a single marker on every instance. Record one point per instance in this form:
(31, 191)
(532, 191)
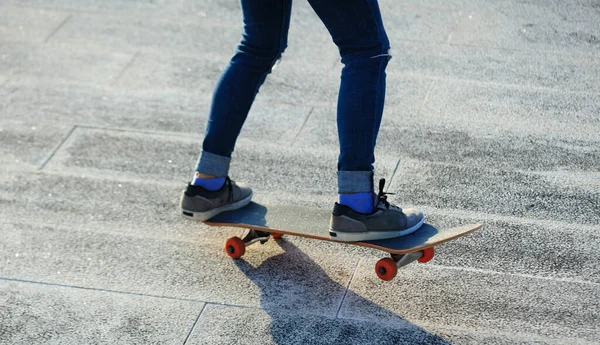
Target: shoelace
(230, 188)
(383, 195)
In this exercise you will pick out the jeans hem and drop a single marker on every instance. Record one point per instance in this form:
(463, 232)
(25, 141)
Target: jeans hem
(213, 164)
(355, 181)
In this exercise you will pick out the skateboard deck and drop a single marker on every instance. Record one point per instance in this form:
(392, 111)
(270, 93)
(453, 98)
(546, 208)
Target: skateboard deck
(314, 223)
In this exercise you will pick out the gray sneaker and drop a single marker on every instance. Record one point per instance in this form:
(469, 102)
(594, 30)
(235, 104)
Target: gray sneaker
(201, 204)
(387, 221)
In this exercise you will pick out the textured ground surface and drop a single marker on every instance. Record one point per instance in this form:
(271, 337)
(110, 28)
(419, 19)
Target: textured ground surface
(492, 116)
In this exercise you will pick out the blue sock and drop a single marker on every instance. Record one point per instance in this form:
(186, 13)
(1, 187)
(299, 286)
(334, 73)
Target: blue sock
(359, 202)
(211, 184)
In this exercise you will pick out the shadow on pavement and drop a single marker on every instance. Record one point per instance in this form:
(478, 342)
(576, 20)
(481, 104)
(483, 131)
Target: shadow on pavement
(291, 282)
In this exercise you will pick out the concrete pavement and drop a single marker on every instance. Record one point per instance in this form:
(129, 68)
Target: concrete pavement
(492, 115)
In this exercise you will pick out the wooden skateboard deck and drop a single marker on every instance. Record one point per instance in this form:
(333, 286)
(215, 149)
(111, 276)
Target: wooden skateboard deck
(314, 223)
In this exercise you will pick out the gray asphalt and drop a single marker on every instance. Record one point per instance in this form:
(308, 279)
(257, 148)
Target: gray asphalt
(492, 116)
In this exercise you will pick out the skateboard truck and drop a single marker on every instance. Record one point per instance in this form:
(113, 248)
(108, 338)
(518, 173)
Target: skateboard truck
(387, 268)
(235, 247)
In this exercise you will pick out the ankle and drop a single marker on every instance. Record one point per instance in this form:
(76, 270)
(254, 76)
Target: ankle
(201, 175)
(359, 202)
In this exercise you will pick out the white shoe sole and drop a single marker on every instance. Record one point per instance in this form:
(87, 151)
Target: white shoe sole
(204, 216)
(346, 236)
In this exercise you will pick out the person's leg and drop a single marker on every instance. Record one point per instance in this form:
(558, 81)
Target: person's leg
(211, 192)
(264, 38)
(357, 29)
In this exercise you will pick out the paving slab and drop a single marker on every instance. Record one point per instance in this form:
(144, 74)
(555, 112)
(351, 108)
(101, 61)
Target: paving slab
(224, 325)
(278, 276)
(68, 250)
(229, 11)
(19, 24)
(176, 35)
(188, 74)
(495, 191)
(428, 296)
(265, 164)
(37, 62)
(29, 143)
(569, 156)
(106, 7)
(66, 200)
(468, 337)
(405, 21)
(556, 250)
(302, 16)
(76, 104)
(513, 245)
(575, 71)
(296, 77)
(403, 134)
(496, 109)
(529, 26)
(404, 98)
(476, 92)
(141, 33)
(155, 110)
(40, 313)
(3, 81)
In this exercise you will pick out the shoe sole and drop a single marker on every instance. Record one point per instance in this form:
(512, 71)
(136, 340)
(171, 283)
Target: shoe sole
(204, 216)
(345, 236)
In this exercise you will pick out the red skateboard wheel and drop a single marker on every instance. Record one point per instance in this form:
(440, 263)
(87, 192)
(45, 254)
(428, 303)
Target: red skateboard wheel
(275, 235)
(428, 254)
(235, 247)
(386, 269)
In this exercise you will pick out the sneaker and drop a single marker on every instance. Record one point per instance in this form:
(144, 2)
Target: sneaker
(200, 204)
(386, 221)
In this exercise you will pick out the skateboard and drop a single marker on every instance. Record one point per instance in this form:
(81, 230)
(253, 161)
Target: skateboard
(276, 221)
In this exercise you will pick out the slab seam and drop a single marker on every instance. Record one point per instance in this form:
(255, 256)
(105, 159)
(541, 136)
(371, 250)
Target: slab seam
(60, 26)
(420, 108)
(302, 126)
(454, 26)
(337, 314)
(391, 178)
(129, 63)
(194, 325)
(99, 290)
(57, 148)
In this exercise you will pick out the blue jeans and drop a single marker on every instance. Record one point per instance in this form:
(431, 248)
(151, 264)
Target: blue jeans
(357, 29)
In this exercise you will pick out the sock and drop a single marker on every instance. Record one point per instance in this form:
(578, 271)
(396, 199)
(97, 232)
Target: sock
(211, 184)
(359, 202)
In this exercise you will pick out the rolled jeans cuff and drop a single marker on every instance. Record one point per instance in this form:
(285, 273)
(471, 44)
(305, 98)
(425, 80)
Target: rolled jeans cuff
(212, 164)
(355, 181)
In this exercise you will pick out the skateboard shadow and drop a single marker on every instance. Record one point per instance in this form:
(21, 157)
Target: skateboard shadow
(292, 282)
